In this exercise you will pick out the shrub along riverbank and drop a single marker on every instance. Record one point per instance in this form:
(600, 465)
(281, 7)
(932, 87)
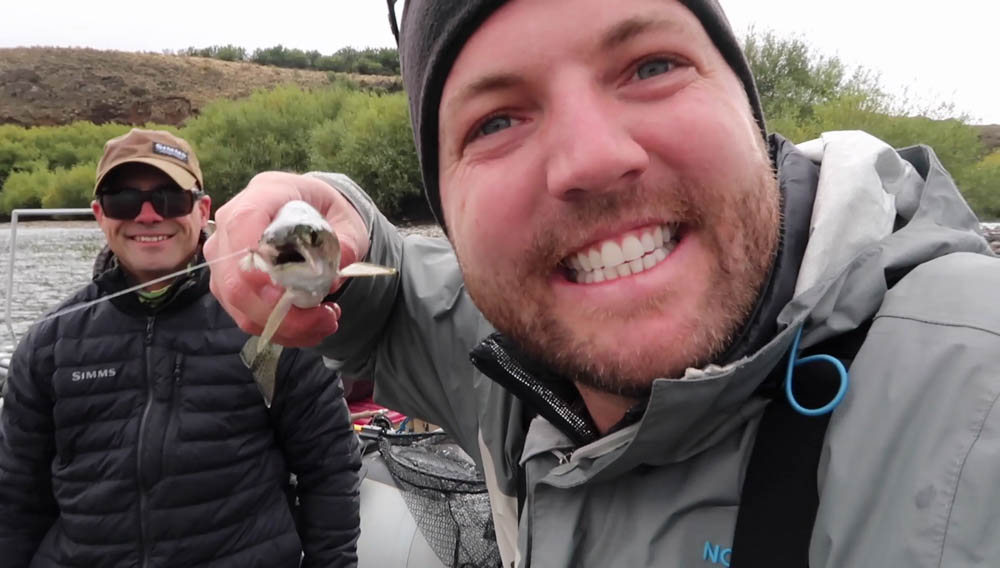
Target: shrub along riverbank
(339, 128)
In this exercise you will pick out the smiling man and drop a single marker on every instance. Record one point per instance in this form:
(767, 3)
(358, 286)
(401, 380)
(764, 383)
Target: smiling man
(642, 320)
(133, 434)
(160, 169)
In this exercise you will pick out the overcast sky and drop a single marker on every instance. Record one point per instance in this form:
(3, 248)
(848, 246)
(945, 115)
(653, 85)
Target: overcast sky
(945, 53)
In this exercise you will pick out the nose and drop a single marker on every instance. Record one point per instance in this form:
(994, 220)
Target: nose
(147, 214)
(592, 148)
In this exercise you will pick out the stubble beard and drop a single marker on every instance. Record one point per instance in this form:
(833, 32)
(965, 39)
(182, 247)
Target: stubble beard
(739, 228)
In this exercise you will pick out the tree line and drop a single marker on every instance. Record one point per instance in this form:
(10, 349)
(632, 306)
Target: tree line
(367, 135)
(367, 61)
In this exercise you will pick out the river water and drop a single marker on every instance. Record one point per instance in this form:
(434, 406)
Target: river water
(52, 260)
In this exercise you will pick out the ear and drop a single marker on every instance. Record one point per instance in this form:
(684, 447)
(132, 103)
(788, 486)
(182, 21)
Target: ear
(205, 208)
(98, 212)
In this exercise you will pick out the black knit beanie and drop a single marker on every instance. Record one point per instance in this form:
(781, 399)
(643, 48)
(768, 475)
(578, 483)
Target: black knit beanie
(433, 32)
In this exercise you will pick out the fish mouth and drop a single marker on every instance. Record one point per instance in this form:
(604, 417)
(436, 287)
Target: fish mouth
(288, 254)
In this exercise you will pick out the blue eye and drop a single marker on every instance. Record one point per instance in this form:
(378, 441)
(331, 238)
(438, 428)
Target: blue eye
(494, 125)
(653, 68)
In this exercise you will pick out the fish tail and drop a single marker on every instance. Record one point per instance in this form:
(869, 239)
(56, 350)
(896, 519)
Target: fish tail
(263, 366)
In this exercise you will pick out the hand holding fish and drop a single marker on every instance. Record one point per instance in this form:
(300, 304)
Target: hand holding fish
(250, 297)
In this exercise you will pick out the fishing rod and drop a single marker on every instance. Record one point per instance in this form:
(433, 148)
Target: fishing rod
(181, 272)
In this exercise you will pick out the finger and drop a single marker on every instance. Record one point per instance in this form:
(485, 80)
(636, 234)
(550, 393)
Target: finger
(335, 308)
(240, 231)
(306, 327)
(252, 305)
(248, 296)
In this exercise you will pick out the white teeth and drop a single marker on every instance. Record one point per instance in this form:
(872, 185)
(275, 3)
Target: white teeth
(611, 254)
(151, 239)
(669, 232)
(595, 259)
(637, 252)
(647, 243)
(632, 248)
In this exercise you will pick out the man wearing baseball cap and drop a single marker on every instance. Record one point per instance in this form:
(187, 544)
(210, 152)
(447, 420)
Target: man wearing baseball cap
(668, 337)
(133, 434)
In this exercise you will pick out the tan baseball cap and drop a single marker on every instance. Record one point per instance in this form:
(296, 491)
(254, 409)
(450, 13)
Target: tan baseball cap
(158, 148)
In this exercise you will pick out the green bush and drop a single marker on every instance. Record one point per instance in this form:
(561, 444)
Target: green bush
(227, 52)
(61, 187)
(981, 186)
(27, 149)
(957, 144)
(281, 56)
(372, 142)
(269, 130)
(805, 94)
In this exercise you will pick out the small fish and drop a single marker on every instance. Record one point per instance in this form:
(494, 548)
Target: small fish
(301, 253)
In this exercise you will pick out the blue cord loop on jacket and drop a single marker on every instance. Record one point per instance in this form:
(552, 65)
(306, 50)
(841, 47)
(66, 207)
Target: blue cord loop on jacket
(795, 361)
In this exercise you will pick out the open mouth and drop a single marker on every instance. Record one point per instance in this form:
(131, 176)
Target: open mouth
(624, 255)
(287, 254)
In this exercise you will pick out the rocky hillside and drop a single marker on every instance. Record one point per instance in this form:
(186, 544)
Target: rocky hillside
(51, 86)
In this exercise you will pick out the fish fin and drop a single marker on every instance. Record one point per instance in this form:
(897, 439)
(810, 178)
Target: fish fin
(274, 320)
(365, 269)
(263, 366)
(253, 260)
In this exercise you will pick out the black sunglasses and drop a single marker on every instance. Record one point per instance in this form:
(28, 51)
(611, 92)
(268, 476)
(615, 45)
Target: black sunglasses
(125, 203)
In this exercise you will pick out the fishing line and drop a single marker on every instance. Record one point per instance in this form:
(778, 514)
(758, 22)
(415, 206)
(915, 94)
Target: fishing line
(187, 270)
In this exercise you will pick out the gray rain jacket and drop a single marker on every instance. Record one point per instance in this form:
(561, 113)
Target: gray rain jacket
(910, 470)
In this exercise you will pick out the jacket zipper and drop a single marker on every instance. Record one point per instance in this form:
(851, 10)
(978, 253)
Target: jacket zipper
(172, 417)
(143, 537)
(496, 363)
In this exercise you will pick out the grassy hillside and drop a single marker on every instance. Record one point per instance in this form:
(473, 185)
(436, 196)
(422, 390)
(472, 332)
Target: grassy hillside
(52, 86)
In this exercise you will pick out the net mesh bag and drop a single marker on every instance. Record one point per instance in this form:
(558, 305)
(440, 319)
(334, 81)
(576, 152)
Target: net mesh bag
(446, 495)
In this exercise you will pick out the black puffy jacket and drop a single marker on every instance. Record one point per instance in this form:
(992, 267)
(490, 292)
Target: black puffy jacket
(137, 437)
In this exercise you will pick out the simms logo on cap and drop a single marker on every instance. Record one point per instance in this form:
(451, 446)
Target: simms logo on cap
(170, 151)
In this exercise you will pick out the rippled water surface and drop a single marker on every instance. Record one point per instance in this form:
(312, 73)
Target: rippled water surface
(52, 260)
